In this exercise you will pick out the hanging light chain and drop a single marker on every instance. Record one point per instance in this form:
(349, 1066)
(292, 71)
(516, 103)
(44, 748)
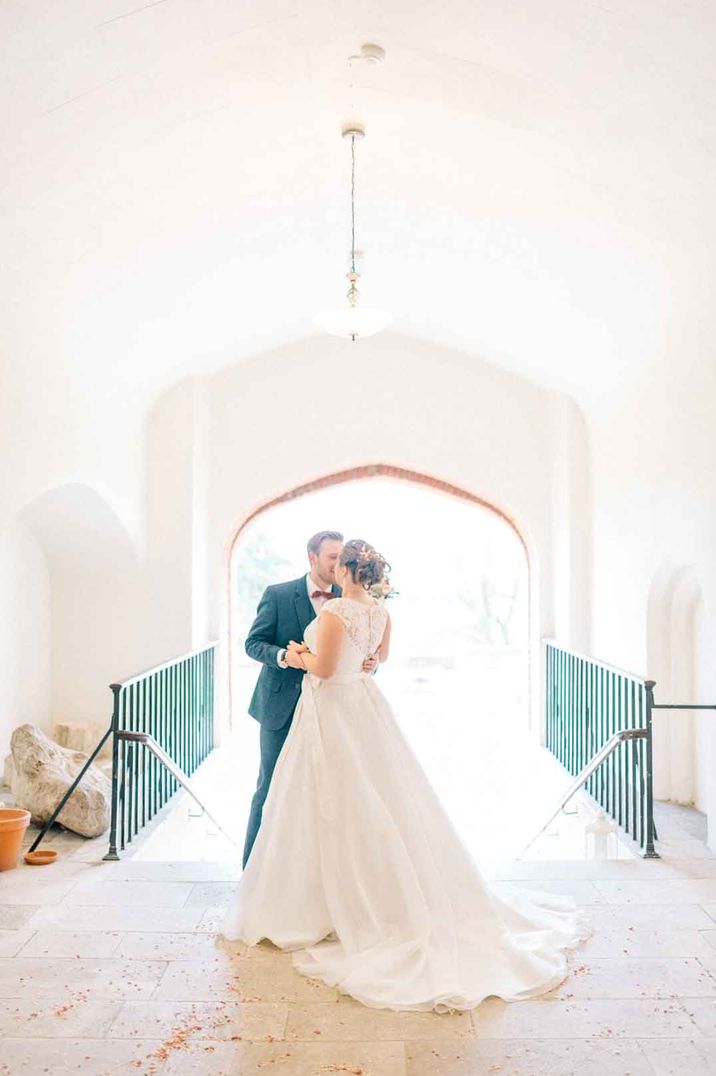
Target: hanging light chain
(352, 293)
(353, 203)
(354, 322)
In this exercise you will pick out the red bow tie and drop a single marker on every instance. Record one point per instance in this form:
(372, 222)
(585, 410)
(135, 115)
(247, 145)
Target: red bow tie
(322, 594)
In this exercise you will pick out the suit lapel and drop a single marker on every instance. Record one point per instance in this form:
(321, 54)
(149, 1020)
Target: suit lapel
(304, 610)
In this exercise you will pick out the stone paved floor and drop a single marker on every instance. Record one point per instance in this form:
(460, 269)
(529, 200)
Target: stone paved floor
(115, 968)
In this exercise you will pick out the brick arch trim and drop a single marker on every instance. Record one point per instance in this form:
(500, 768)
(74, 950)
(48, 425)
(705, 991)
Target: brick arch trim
(352, 474)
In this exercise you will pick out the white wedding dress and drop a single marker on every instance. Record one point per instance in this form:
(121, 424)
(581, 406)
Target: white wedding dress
(358, 870)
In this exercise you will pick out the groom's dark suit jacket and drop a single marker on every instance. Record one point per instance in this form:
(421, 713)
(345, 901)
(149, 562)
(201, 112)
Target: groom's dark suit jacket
(284, 613)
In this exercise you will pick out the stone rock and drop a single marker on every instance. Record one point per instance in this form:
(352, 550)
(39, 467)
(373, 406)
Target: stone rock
(81, 737)
(43, 773)
(9, 774)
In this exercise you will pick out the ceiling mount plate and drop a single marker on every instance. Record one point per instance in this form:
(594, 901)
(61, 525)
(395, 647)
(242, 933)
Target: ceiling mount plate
(370, 54)
(353, 130)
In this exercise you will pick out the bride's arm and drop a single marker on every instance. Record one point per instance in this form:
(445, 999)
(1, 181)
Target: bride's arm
(329, 642)
(384, 648)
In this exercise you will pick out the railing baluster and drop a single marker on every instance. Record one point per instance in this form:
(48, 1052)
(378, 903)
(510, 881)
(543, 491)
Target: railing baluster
(180, 718)
(187, 716)
(151, 725)
(619, 758)
(558, 746)
(194, 709)
(123, 791)
(633, 770)
(582, 715)
(131, 752)
(158, 711)
(627, 757)
(615, 727)
(172, 730)
(181, 752)
(112, 850)
(200, 706)
(135, 725)
(552, 700)
(558, 706)
(617, 761)
(576, 717)
(649, 842)
(555, 702)
(640, 752)
(568, 712)
(212, 677)
(192, 715)
(145, 761)
(163, 719)
(159, 731)
(594, 744)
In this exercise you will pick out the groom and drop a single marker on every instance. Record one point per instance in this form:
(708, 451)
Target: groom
(283, 614)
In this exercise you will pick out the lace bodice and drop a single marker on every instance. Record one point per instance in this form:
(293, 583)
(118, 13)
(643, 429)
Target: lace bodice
(364, 627)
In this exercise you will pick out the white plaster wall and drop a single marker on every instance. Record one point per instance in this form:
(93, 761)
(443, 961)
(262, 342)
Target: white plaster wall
(96, 600)
(653, 459)
(25, 626)
(61, 425)
(570, 487)
(171, 491)
(64, 425)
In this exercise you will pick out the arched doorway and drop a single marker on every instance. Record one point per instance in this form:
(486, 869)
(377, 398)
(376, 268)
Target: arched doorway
(502, 622)
(459, 676)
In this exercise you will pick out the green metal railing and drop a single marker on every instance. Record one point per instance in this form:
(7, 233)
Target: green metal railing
(588, 703)
(172, 706)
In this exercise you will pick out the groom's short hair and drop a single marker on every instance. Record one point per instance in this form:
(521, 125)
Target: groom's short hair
(314, 543)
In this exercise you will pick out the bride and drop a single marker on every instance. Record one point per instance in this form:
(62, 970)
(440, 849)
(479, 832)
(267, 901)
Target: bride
(356, 867)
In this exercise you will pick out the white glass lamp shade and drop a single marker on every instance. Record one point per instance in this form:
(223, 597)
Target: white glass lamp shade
(600, 838)
(352, 322)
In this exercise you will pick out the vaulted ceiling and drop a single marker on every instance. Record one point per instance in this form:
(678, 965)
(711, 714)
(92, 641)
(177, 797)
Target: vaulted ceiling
(536, 185)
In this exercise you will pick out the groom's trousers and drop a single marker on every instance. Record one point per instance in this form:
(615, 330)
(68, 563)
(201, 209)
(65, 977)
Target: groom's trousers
(271, 740)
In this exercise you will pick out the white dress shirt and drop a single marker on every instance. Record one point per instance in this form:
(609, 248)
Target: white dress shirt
(317, 604)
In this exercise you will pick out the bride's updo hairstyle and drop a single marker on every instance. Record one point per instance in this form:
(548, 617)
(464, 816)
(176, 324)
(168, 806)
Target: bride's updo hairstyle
(365, 564)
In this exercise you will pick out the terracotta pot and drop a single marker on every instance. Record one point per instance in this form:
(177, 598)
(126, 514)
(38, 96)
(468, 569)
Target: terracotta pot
(13, 823)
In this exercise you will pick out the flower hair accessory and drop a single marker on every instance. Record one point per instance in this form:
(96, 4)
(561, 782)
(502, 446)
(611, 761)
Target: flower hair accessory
(382, 590)
(362, 554)
(368, 553)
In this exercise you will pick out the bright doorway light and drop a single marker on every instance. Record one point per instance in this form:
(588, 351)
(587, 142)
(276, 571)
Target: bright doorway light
(458, 673)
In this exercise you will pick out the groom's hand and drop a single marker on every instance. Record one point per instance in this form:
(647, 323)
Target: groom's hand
(371, 663)
(293, 660)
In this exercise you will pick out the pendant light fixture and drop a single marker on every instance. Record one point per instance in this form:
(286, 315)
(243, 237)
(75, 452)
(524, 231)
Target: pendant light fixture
(352, 321)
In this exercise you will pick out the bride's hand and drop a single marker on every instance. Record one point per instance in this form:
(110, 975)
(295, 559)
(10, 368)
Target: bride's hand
(298, 648)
